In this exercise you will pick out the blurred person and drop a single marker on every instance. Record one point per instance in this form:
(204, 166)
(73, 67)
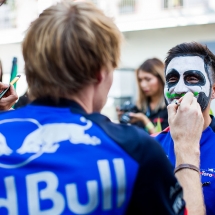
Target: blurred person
(1, 71)
(2, 2)
(190, 67)
(59, 155)
(10, 97)
(151, 106)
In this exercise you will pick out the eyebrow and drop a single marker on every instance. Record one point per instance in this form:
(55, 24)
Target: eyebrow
(195, 72)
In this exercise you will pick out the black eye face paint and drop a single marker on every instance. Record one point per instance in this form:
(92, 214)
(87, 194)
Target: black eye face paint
(194, 78)
(172, 78)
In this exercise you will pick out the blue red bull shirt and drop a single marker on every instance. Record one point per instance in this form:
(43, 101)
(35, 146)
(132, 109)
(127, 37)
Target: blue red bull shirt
(57, 159)
(207, 161)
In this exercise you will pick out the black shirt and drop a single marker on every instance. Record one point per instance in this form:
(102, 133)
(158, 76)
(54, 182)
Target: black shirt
(156, 116)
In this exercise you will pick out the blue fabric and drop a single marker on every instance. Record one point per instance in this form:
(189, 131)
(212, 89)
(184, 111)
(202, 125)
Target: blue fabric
(207, 162)
(57, 159)
(58, 176)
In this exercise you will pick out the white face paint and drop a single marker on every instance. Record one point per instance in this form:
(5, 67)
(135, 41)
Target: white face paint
(186, 74)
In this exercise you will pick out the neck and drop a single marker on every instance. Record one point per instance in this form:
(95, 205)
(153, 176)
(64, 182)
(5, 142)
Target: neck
(207, 118)
(154, 100)
(83, 98)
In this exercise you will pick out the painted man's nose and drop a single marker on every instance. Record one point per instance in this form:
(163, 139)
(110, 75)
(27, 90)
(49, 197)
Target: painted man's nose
(181, 88)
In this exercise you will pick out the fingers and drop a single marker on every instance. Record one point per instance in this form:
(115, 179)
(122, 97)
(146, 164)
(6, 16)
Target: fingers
(3, 86)
(13, 92)
(187, 100)
(195, 106)
(136, 115)
(9, 99)
(132, 114)
(172, 109)
(119, 111)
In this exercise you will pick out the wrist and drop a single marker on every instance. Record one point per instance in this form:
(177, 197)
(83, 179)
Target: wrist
(149, 126)
(185, 154)
(186, 166)
(146, 120)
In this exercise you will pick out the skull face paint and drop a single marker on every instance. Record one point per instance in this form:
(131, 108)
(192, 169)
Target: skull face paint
(187, 74)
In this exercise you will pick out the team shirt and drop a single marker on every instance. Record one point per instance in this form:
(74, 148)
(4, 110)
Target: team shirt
(57, 159)
(207, 161)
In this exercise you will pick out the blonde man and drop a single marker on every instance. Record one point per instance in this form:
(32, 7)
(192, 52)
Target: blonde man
(58, 155)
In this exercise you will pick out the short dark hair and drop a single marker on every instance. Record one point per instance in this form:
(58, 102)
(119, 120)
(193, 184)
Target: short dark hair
(193, 49)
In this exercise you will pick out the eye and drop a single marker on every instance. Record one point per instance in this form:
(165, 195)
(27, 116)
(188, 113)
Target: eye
(191, 79)
(172, 79)
(148, 79)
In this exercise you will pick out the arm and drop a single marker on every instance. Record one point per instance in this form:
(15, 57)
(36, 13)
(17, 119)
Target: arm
(145, 120)
(156, 189)
(9, 98)
(186, 125)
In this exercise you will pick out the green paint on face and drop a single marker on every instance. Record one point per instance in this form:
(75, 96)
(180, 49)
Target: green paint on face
(175, 95)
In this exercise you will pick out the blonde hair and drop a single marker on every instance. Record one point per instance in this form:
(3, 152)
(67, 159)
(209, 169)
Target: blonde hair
(155, 67)
(66, 47)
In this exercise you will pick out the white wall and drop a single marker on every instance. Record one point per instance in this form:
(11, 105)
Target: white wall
(140, 45)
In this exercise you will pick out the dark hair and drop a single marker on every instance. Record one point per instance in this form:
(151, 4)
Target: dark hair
(193, 49)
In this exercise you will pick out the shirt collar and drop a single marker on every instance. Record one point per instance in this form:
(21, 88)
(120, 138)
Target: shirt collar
(212, 124)
(62, 103)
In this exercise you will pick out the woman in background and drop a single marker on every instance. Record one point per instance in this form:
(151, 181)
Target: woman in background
(152, 115)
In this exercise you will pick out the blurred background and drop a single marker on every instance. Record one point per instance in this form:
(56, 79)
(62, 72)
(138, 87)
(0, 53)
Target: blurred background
(150, 28)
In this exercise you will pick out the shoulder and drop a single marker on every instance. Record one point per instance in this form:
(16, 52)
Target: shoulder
(135, 141)
(6, 113)
(12, 113)
(151, 185)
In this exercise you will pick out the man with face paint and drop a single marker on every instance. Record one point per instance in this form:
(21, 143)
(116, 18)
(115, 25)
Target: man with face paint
(190, 67)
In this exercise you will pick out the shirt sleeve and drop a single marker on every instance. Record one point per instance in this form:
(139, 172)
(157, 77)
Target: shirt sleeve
(156, 190)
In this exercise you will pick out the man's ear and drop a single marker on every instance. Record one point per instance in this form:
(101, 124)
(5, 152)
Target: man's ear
(101, 75)
(213, 91)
